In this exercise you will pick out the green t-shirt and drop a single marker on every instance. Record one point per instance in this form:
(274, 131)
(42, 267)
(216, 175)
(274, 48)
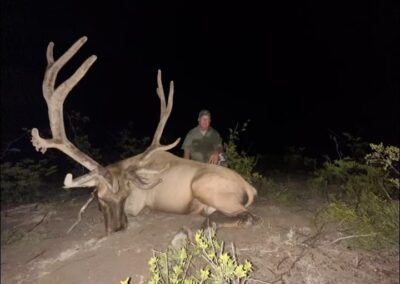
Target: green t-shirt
(201, 146)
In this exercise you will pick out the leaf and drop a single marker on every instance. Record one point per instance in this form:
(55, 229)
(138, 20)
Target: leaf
(126, 281)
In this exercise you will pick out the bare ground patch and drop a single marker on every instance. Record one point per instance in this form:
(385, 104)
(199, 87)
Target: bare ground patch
(285, 247)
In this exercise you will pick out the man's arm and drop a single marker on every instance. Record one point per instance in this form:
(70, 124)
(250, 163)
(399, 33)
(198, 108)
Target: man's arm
(214, 158)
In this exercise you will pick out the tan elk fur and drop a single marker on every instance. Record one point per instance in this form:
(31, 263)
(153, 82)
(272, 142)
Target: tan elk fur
(155, 178)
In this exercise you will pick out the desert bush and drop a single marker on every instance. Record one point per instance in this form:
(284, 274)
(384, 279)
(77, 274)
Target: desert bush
(77, 125)
(374, 225)
(202, 260)
(239, 160)
(295, 159)
(245, 165)
(276, 192)
(386, 158)
(128, 144)
(21, 177)
(377, 174)
(365, 199)
(348, 145)
(21, 181)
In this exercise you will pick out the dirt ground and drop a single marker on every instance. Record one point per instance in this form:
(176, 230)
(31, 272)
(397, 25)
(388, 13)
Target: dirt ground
(285, 247)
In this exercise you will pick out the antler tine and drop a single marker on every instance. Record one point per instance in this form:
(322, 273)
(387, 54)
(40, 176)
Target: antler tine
(55, 98)
(165, 111)
(53, 67)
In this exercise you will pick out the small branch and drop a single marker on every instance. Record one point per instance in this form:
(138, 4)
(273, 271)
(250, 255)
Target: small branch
(35, 256)
(358, 262)
(385, 191)
(337, 147)
(300, 256)
(350, 237)
(81, 211)
(38, 223)
(396, 171)
(187, 266)
(211, 230)
(233, 252)
(166, 264)
(206, 258)
(259, 281)
(283, 260)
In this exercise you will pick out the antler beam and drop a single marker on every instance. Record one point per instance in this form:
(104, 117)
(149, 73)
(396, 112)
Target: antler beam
(55, 98)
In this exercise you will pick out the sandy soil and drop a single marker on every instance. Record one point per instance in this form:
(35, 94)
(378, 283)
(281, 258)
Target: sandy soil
(284, 247)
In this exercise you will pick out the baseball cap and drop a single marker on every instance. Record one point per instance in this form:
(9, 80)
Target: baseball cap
(204, 112)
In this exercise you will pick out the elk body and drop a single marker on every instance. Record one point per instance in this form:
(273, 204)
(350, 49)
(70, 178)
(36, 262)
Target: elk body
(155, 178)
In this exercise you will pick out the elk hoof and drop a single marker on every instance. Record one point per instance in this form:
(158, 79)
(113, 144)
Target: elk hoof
(247, 220)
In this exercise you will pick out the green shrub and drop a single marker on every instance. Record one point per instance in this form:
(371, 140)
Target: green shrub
(79, 137)
(386, 158)
(376, 221)
(348, 145)
(128, 145)
(295, 159)
(365, 199)
(237, 160)
(21, 181)
(273, 191)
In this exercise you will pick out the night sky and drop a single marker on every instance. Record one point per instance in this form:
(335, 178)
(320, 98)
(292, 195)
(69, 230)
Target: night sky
(299, 70)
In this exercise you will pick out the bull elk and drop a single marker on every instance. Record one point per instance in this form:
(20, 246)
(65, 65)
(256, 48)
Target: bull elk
(155, 178)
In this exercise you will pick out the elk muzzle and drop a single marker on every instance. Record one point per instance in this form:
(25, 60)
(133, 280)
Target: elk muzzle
(112, 207)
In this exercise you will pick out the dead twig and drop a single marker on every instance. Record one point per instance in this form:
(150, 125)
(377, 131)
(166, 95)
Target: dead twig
(35, 256)
(10, 237)
(300, 256)
(349, 237)
(258, 281)
(310, 241)
(38, 223)
(358, 261)
(82, 210)
(280, 262)
(233, 252)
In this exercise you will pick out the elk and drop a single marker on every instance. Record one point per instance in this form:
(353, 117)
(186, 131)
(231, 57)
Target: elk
(156, 178)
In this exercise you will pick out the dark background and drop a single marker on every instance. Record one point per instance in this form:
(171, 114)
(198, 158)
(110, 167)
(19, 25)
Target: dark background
(300, 70)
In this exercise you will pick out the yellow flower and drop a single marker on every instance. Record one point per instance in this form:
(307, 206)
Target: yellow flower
(126, 281)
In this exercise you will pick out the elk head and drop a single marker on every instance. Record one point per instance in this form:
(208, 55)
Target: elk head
(112, 183)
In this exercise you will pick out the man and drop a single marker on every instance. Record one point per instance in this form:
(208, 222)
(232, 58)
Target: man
(203, 143)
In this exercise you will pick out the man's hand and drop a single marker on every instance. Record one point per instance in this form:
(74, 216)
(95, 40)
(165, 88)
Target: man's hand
(214, 158)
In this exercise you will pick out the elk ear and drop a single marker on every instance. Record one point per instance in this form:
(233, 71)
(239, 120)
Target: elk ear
(144, 178)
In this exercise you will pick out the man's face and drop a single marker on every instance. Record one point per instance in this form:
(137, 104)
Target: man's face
(204, 122)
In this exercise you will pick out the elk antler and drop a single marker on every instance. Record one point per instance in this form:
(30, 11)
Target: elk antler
(164, 115)
(55, 98)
